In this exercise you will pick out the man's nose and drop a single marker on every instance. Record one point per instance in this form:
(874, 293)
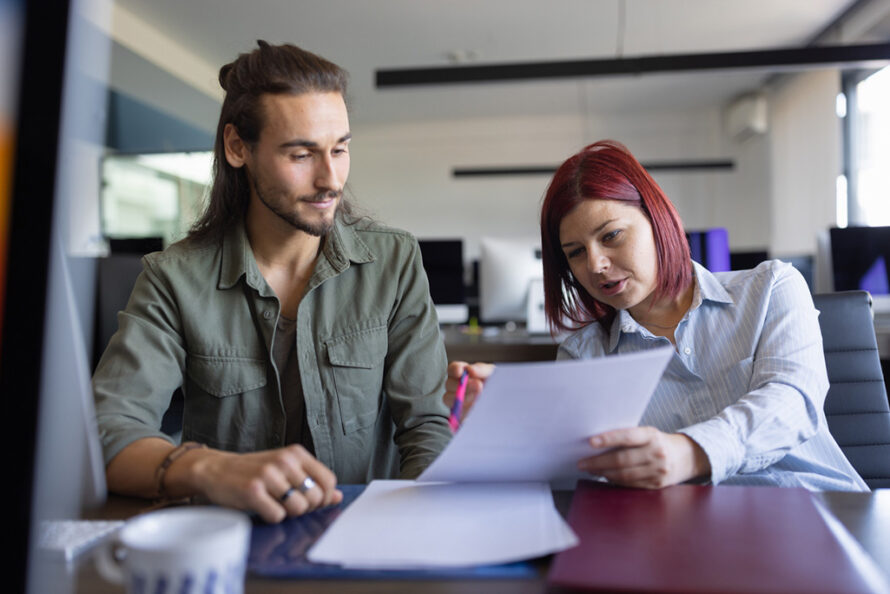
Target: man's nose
(326, 177)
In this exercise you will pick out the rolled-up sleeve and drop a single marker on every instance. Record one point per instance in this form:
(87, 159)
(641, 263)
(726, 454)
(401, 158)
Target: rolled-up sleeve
(141, 367)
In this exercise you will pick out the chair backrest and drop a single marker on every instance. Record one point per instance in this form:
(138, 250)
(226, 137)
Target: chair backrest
(856, 407)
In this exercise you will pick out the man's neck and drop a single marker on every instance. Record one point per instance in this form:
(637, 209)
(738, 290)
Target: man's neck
(286, 258)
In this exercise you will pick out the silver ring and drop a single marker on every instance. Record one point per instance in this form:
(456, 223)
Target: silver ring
(287, 494)
(307, 484)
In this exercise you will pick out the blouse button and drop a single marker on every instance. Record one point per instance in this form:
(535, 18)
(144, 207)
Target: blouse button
(687, 350)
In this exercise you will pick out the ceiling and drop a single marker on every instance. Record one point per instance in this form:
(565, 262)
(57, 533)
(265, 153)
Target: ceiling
(366, 35)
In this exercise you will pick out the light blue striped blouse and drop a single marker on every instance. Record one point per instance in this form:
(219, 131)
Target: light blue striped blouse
(747, 380)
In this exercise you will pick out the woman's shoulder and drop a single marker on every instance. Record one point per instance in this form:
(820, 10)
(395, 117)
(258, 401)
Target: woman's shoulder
(764, 274)
(763, 283)
(586, 342)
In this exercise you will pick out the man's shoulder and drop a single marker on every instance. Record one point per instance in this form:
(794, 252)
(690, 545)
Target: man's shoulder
(185, 255)
(370, 228)
(382, 238)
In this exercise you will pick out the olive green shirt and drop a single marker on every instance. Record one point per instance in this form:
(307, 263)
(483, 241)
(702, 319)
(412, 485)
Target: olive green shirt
(372, 362)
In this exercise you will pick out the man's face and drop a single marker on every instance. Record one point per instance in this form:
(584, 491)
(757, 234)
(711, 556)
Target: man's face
(298, 167)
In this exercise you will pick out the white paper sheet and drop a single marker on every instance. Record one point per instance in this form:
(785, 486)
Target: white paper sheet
(533, 420)
(404, 524)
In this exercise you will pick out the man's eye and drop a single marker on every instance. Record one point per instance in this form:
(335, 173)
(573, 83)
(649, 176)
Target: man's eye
(340, 151)
(299, 156)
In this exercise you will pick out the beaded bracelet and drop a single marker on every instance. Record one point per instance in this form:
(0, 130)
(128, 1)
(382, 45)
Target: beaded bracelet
(171, 457)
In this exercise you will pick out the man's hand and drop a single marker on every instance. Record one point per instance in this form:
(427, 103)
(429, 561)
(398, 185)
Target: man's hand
(477, 373)
(258, 481)
(646, 457)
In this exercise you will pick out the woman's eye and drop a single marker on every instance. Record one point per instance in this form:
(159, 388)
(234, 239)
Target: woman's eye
(574, 253)
(611, 235)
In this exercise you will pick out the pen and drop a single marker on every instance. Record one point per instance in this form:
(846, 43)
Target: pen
(454, 419)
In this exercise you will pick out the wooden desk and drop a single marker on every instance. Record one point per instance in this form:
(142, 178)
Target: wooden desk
(865, 515)
(496, 345)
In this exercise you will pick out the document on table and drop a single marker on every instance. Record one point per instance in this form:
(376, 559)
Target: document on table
(533, 420)
(406, 524)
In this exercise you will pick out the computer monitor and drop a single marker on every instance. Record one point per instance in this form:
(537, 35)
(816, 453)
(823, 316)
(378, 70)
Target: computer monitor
(860, 260)
(443, 261)
(506, 270)
(53, 463)
(747, 260)
(710, 248)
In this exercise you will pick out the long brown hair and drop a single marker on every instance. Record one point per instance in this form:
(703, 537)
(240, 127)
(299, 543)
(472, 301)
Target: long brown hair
(269, 69)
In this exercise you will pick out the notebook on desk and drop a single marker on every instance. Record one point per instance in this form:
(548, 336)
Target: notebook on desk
(702, 539)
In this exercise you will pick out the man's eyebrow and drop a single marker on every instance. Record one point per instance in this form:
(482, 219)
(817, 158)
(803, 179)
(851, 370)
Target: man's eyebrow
(299, 142)
(595, 231)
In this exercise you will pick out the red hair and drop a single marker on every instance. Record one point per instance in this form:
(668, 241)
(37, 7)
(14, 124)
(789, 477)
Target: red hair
(606, 170)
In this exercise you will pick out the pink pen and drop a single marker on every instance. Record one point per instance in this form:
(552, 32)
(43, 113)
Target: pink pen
(454, 419)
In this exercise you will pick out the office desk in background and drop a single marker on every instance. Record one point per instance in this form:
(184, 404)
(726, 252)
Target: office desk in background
(865, 515)
(498, 345)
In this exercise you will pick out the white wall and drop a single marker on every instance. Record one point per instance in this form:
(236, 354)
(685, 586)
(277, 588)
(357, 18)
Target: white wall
(806, 159)
(402, 174)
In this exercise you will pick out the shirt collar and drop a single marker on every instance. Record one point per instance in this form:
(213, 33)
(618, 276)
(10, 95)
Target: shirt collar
(342, 246)
(709, 288)
(706, 287)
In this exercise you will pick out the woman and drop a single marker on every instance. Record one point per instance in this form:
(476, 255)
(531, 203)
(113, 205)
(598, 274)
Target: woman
(741, 400)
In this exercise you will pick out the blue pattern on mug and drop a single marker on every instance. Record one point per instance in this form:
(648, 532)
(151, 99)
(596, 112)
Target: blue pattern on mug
(210, 584)
(137, 583)
(188, 580)
(161, 586)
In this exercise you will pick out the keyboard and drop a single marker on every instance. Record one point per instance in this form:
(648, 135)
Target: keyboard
(66, 540)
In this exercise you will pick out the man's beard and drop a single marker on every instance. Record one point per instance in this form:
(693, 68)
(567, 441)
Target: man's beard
(318, 229)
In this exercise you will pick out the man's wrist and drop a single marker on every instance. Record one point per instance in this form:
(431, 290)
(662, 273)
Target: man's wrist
(182, 476)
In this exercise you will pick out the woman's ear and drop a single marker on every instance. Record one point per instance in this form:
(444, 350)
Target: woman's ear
(235, 148)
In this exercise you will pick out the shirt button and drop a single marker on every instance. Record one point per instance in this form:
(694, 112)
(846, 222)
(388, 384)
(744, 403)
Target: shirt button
(687, 350)
(267, 314)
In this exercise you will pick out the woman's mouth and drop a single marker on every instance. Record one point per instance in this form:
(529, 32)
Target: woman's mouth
(612, 287)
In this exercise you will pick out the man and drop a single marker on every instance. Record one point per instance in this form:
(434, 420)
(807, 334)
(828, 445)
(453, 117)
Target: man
(303, 337)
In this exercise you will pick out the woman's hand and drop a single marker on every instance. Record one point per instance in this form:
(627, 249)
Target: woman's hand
(646, 457)
(477, 373)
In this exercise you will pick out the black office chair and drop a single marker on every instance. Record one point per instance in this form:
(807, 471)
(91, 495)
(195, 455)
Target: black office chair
(856, 406)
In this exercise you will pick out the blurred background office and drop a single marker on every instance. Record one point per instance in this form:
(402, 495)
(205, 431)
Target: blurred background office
(784, 157)
(775, 155)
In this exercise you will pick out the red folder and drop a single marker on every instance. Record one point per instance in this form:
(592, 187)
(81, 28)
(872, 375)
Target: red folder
(690, 538)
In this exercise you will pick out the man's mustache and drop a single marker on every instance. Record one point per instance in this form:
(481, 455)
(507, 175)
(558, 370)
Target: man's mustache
(322, 196)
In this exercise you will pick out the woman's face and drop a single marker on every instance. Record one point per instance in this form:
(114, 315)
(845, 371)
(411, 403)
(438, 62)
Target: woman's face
(610, 249)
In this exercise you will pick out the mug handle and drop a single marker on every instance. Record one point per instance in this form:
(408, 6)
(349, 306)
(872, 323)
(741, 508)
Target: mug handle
(109, 561)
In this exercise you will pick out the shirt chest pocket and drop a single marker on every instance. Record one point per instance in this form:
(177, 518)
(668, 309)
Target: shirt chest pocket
(225, 376)
(356, 362)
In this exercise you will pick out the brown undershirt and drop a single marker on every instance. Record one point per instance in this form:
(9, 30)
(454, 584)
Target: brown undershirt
(284, 353)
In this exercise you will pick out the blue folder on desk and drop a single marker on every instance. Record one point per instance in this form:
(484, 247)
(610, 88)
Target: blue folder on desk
(279, 551)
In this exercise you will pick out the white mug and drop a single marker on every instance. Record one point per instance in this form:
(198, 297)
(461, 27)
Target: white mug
(180, 550)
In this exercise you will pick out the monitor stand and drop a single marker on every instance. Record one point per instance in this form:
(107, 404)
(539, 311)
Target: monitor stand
(457, 313)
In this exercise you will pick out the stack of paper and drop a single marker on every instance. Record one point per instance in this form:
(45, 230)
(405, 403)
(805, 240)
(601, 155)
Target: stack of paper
(487, 498)
(404, 524)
